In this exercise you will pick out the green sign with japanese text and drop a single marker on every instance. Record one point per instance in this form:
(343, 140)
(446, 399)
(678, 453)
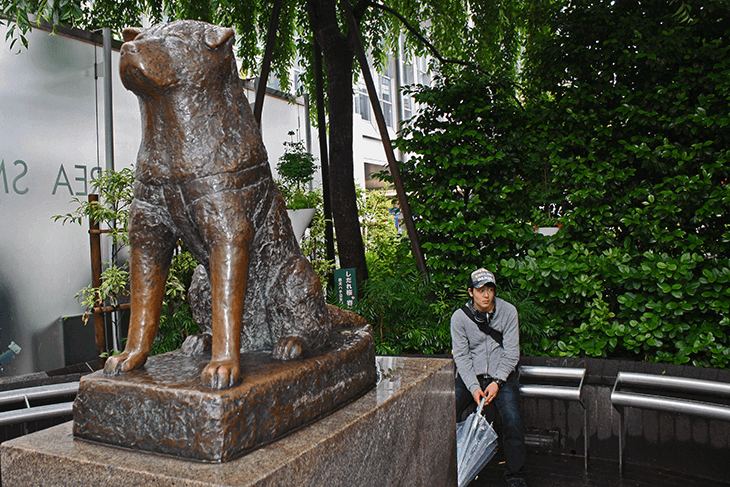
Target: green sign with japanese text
(346, 286)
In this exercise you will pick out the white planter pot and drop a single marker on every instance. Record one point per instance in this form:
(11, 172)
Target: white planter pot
(548, 230)
(300, 220)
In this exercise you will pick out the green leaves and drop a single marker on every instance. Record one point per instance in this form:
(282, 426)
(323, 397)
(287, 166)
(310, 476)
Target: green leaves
(395, 303)
(114, 286)
(476, 179)
(115, 190)
(619, 137)
(20, 16)
(615, 303)
(295, 169)
(296, 166)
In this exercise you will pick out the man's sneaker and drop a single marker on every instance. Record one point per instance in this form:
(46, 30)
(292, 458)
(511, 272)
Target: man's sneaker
(516, 482)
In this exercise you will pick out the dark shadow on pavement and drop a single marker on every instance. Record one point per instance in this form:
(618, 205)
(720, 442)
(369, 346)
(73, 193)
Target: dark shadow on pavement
(544, 470)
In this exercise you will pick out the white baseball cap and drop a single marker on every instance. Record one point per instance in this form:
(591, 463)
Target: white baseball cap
(481, 277)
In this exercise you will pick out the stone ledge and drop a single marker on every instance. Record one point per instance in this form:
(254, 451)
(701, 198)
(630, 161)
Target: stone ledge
(400, 433)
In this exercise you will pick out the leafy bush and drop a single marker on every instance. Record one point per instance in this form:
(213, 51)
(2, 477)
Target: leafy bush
(621, 136)
(380, 235)
(176, 319)
(112, 209)
(410, 315)
(471, 180)
(615, 304)
(396, 303)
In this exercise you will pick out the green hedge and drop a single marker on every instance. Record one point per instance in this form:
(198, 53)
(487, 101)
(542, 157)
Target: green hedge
(617, 304)
(620, 134)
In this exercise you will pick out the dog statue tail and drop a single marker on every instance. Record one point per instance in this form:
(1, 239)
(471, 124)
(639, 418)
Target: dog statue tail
(340, 318)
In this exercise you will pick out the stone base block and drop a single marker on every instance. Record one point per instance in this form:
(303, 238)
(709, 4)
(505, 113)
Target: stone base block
(164, 408)
(400, 433)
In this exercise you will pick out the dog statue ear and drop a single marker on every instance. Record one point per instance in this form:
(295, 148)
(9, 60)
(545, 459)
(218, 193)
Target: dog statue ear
(130, 33)
(216, 36)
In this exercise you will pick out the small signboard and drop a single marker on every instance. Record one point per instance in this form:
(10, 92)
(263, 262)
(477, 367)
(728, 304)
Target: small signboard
(346, 286)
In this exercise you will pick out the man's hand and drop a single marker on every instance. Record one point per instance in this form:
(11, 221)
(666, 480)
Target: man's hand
(491, 392)
(478, 395)
(488, 395)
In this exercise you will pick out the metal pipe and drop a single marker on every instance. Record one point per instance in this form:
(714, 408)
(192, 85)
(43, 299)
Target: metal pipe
(398, 88)
(585, 436)
(39, 392)
(385, 137)
(552, 372)
(621, 400)
(108, 108)
(567, 393)
(681, 384)
(621, 444)
(109, 139)
(682, 406)
(36, 413)
(553, 392)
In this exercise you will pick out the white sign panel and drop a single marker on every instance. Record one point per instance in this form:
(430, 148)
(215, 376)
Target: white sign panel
(51, 147)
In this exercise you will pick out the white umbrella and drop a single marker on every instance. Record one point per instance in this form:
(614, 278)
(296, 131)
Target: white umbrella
(476, 443)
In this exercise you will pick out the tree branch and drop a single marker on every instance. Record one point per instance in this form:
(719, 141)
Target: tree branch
(435, 51)
(425, 41)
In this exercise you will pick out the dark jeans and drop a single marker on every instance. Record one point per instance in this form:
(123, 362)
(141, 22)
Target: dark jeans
(509, 405)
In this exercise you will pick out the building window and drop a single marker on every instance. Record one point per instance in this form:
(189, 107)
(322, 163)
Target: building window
(299, 75)
(372, 181)
(408, 74)
(362, 101)
(386, 100)
(298, 81)
(407, 107)
(422, 68)
(274, 82)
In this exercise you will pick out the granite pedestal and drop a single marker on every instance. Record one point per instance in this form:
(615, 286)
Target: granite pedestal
(401, 433)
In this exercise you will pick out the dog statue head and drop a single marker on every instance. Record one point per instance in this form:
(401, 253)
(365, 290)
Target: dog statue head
(170, 56)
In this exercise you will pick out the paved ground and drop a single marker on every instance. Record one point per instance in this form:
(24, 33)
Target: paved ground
(561, 471)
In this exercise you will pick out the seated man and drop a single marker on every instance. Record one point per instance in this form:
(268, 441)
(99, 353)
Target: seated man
(486, 346)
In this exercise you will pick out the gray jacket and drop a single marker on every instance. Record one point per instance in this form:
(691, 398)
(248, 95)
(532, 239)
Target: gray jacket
(476, 353)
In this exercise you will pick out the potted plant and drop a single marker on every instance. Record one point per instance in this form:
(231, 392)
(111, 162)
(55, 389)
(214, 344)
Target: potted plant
(548, 230)
(296, 170)
(547, 220)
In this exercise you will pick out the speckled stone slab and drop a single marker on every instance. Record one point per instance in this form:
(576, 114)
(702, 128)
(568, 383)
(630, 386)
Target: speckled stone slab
(400, 433)
(164, 408)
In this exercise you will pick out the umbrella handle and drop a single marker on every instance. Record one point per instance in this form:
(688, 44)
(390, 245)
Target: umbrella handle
(473, 426)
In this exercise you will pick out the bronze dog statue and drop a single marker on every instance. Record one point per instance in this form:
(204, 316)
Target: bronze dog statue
(202, 175)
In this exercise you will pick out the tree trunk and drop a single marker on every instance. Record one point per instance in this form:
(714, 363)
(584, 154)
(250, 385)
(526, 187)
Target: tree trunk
(338, 56)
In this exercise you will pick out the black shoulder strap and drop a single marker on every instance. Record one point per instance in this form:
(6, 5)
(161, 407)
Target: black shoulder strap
(496, 335)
